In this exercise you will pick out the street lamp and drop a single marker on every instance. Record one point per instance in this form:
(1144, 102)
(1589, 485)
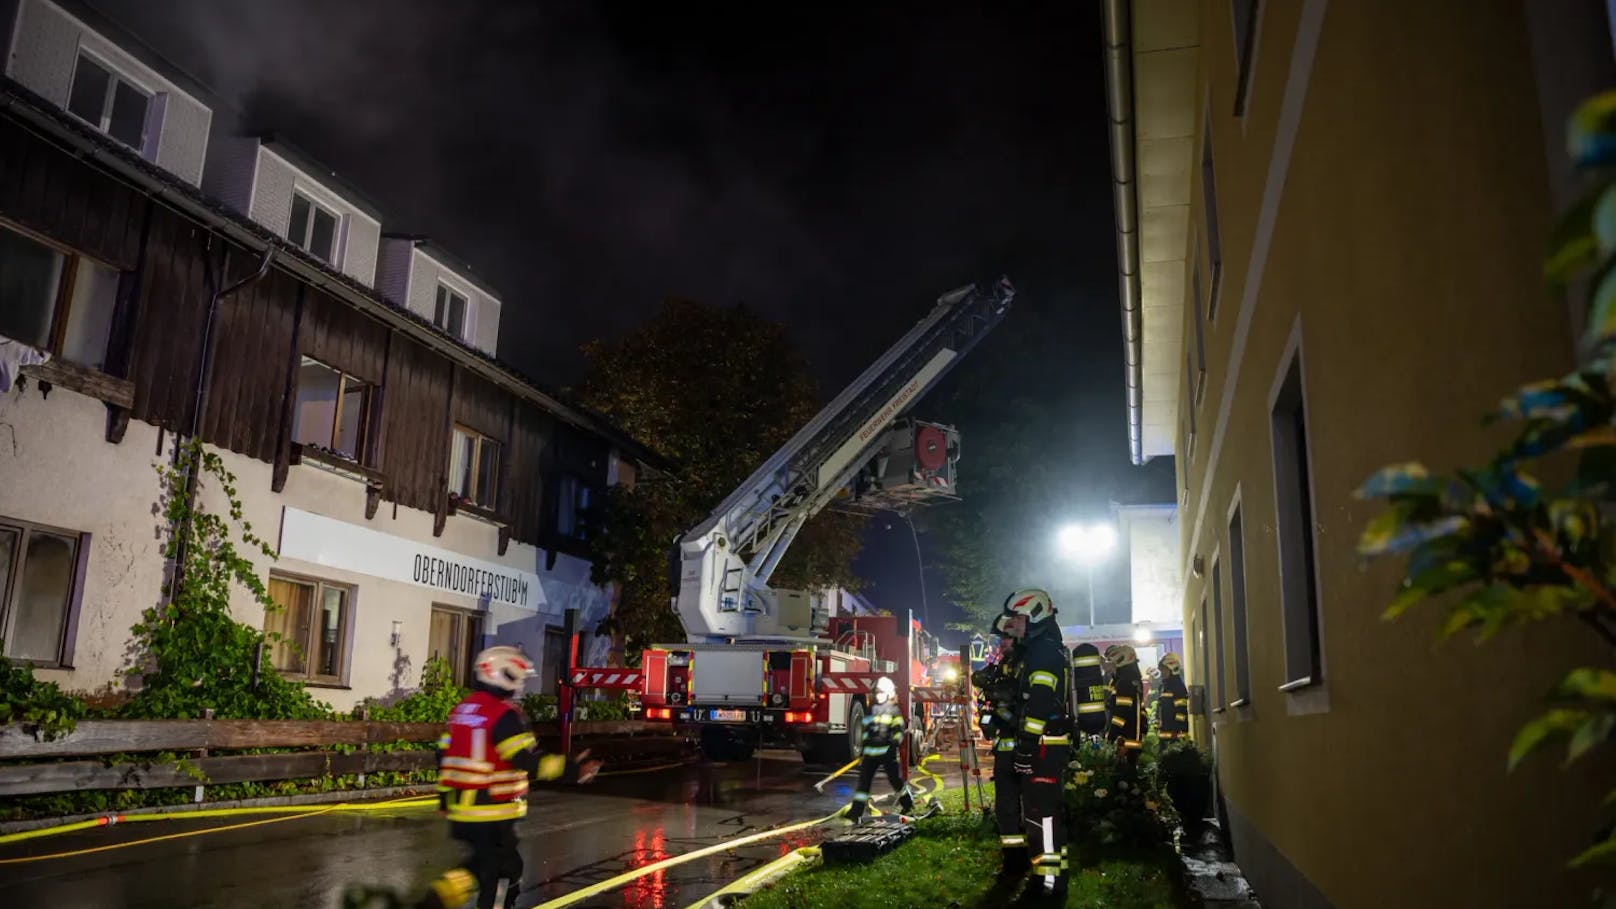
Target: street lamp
(1142, 634)
(1088, 544)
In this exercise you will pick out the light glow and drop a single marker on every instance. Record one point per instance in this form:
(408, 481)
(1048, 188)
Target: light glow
(1088, 543)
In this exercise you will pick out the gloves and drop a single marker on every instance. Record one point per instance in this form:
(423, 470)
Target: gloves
(551, 766)
(1022, 762)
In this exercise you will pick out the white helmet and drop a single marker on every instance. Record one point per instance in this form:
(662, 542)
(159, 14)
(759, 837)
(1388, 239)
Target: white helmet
(885, 690)
(1031, 602)
(505, 668)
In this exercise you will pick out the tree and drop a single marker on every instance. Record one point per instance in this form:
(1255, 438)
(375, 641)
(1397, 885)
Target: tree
(1504, 549)
(716, 390)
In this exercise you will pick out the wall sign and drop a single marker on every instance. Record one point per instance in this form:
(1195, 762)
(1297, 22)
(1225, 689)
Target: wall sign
(327, 541)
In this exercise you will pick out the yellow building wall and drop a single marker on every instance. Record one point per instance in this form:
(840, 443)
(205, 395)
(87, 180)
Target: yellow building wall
(1407, 245)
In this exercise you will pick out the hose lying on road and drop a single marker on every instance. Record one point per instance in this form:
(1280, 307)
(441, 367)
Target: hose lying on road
(755, 879)
(294, 812)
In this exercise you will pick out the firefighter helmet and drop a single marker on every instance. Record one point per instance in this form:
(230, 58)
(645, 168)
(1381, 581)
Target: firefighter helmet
(1031, 602)
(1121, 655)
(504, 668)
(885, 690)
(1170, 663)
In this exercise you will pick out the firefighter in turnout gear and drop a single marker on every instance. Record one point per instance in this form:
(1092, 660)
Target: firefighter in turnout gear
(1088, 690)
(883, 730)
(1126, 704)
(1043, 735)
(484, 763)
(1173, 710)
(997, 684)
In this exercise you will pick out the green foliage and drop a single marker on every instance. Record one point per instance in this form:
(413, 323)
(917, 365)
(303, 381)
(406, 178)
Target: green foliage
(952, 860)
(717, 390)
(189, 653)
(43, 709)
(430, 703)
(539, 708)
(1183, 758)
(616, 707)
(1112, 803)
(1497, 547)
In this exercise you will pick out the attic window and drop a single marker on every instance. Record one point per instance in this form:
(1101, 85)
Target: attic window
(449, 314)
(107, 102)
(313, 228)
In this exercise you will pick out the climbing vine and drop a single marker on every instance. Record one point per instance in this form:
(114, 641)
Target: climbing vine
(45, 711)
(189, 653)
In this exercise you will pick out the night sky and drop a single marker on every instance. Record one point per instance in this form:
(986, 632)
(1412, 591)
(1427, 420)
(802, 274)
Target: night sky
(834, 171)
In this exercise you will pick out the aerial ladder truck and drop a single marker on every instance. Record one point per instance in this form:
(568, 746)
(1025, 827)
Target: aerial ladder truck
(762, 665)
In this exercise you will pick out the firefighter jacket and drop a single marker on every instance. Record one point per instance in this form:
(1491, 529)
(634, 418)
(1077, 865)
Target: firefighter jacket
(1045, 685)
(1088, 690)
(1173, 710)
(1126, 707)
(997, 686)
(883, 727)
(485, 759)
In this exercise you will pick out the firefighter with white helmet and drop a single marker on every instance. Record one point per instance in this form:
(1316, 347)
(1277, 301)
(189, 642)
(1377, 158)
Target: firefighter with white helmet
(883, 730)
(484, 762)
(1126, 703)
(1173, 710)
(1043, 741)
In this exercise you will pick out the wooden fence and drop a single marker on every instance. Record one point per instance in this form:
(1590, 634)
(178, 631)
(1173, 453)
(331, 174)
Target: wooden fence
(78, 761)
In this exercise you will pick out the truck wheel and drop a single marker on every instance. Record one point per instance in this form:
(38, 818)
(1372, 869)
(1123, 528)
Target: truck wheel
(855, 732)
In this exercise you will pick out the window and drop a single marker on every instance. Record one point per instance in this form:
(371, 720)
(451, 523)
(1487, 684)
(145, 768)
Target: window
(107, 102)
(55, 300)
(573, 508)
(1198, 386)
(308, 629)
(1244, 13)
(1216, 689)
(474, 467)
(39, 587)
(333, 410)
(1293, 497)
(450, 312)
(1237, 608)
(1212, 232)
(1189, 403)
(313, 228)
(455, 637)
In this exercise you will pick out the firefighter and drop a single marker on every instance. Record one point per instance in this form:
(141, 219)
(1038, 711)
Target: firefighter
(1125, 704)
(883, 730)
(997, 684)
(1043, 735)
(484, 762)
(1088, 689)
(1173, 710)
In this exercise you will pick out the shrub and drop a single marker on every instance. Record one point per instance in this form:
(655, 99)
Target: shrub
(430, 703)
(44, 710)
(1113, 803)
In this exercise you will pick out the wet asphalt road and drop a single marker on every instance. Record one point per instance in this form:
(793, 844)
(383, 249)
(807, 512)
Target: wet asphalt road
(571, 838)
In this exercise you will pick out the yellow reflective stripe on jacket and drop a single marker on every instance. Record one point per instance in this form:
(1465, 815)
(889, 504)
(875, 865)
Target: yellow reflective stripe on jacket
(1054, 740)
(498, 811)
(1086, 661)
(443, 742)
(469, 764)
(1033, 726)
(1118, 721)
(1043, 678)
(516, 744)
(1091, 707)
(1124, 701)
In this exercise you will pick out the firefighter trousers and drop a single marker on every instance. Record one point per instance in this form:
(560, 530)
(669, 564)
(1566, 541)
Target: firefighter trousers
(888, 761)
(1007, 786)
(1045, 824)
(493, 855)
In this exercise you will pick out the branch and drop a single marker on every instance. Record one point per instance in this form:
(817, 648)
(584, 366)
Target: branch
(1594, 621)
(1551, 551)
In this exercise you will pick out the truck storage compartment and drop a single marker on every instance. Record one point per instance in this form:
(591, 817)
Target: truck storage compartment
(727, 677)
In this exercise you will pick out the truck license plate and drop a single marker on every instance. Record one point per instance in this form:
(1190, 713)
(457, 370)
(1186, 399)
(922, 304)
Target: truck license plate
(727, 716)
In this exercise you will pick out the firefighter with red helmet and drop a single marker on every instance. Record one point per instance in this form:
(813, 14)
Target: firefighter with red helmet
(1043, 735)
(484, 762)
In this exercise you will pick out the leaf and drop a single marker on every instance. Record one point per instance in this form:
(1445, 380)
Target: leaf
(1390, 533)
(1595, 684)
(1600, 854)
(1395, 480)
(1601, 324)
(1551, 726)
(1594, 732)
(1590, 136)
(1428, 583)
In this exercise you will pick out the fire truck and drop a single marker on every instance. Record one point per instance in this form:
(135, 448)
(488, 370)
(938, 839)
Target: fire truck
(764, 666)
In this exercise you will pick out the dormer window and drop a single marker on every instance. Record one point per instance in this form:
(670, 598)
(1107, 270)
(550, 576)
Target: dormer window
(109, 103)
(313, 228)
(450, 313)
